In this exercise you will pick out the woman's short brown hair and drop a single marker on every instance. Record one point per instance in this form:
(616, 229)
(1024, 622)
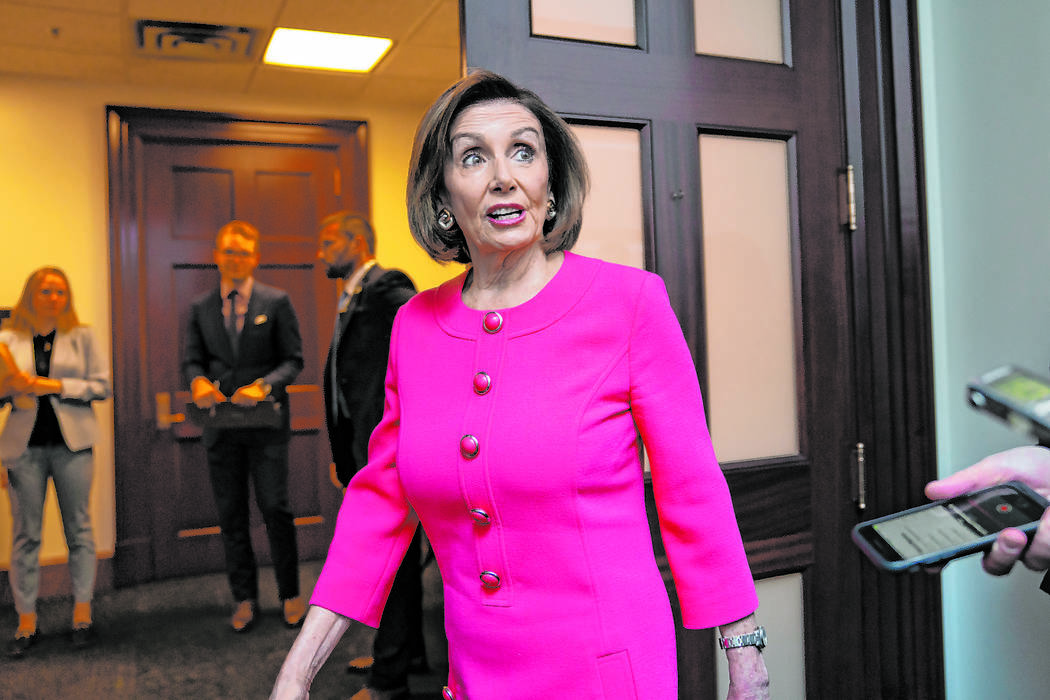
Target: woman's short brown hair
(567, 175)
(24, 316)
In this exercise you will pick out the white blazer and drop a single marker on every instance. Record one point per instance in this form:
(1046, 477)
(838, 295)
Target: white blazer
(84, 370)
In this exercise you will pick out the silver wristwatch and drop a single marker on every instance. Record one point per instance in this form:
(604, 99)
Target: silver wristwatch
(751, 639)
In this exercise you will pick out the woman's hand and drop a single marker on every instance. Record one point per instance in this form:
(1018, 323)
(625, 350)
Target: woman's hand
(317, 638)
(42, 386)
(19, 382)
(288, 689)
(748, 677)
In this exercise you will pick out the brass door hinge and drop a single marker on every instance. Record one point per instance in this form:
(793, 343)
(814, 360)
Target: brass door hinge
(848, 199)
(860, 492)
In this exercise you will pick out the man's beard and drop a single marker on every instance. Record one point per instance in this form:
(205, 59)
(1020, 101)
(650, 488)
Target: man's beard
(337, 272)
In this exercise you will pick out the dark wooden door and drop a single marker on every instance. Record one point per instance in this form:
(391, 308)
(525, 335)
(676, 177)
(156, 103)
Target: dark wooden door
(176, 178)
(794, 509)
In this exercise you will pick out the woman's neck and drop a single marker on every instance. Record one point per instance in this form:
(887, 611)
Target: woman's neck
(45, 328)
(510, 280)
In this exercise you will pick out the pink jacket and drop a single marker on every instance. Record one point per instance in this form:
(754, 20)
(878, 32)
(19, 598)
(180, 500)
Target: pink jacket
(512, 435)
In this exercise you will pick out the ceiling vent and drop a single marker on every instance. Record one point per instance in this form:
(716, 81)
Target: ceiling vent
(214, 42)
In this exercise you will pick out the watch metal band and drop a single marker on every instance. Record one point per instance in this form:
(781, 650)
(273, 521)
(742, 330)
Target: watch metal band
(751, 639)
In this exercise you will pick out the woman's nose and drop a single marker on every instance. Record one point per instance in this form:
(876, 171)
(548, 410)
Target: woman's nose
(502, 179)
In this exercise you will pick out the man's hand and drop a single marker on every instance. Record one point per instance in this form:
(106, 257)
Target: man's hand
(205, 394)
(250, 394)
(1029, 464)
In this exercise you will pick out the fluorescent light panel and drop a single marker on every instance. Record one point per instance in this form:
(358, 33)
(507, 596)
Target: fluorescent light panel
(325, 50)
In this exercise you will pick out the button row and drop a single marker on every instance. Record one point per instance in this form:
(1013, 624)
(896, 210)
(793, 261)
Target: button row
(469, 447)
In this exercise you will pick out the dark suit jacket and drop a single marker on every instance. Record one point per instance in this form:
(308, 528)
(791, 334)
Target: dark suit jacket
(363, 349)
(270, 347)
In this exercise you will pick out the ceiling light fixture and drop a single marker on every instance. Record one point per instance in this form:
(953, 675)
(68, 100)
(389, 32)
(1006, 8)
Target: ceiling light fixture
(325, 50)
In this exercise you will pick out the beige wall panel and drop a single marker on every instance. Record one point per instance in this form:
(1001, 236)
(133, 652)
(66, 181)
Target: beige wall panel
(749, 297)
(612, 217)
(748, 29)
(578, 19)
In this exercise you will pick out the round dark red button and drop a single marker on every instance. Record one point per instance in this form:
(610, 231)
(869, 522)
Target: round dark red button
(492, 323)
(469, 446)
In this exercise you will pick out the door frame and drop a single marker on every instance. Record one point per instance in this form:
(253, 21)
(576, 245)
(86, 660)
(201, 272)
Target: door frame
(900, 617)
(133, 409)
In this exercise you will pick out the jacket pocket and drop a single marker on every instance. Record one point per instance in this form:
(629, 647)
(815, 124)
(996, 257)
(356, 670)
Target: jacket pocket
(617, 677)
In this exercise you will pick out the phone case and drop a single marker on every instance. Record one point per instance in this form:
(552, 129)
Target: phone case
(886, 563)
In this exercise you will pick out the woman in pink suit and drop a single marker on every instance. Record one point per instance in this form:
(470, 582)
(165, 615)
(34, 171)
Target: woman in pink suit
(515, 395)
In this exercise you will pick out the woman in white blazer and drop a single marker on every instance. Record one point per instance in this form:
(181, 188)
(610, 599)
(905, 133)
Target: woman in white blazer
(49, 434)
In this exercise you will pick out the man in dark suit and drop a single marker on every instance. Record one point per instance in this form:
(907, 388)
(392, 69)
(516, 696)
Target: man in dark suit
(243, 340)
(355, 373)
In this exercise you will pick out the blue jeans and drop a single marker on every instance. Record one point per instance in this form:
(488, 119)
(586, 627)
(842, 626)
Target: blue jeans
(72, 473)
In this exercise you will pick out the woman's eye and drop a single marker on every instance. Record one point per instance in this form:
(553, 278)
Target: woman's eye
(470, 158)
(525, 154)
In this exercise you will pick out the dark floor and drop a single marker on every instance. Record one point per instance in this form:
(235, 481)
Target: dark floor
(171, 639)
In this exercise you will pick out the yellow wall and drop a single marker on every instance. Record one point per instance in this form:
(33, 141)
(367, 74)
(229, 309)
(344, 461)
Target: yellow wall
(53, 210)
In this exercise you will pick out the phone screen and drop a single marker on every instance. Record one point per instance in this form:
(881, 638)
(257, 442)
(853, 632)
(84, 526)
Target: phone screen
(1022, 388)
(956, 523)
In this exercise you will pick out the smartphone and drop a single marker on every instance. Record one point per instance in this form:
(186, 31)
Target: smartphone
(940, 531)
(1015, 395)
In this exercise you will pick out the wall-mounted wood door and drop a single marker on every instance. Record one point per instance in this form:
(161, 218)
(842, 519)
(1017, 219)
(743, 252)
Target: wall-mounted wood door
(669, 71)
(175, 179)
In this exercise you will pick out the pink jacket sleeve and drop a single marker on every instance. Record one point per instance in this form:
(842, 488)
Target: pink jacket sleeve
(697, 521)
(366, 550)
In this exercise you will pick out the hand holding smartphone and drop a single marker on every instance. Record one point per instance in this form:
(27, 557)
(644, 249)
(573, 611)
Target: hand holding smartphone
(938, 532)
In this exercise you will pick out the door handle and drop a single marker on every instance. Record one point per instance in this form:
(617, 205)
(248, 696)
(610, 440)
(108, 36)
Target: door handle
(165, 418)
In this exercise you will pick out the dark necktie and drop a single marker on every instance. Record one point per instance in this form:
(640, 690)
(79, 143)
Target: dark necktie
(231, 321)
(337, 396)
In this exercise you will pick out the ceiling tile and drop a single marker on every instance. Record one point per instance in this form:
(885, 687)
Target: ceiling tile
(393, 20)
(61, 64)
(240, 13)
(96, 41)
(421, 62)
(441, 27)
(61, 30)
(113, 7)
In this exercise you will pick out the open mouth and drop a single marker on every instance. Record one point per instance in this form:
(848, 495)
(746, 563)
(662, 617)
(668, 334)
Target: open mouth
(505, 216)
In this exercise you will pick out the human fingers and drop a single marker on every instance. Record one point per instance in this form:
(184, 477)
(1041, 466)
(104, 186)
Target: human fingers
(960, 482)
(1037, 558)
(1008, 547)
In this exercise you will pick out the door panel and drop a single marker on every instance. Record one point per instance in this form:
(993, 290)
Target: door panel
(750, 268)
(179, 177)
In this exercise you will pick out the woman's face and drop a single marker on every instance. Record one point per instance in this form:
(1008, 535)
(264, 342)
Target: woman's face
(496, 179)
(51, 298)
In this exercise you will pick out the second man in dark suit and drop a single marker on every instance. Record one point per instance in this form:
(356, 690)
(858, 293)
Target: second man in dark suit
(354, 395)
(242, 340)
